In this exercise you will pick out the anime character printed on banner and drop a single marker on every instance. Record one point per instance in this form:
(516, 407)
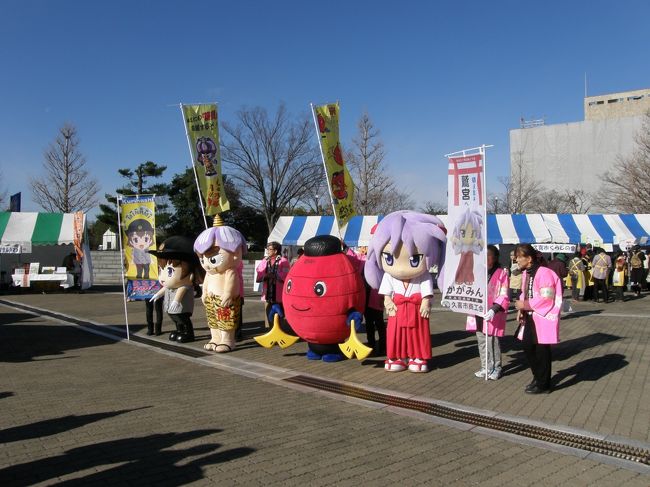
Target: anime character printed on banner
(466, 241)
(140, 237)
(206, 151)
(465, 286)
(402, 250)
(138, 224)
(202, 125)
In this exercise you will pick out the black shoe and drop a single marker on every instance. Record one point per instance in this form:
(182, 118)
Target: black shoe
(531, 386)
(185, 337)
(538, 390)
(149, 329)
(173, 335)
(158, 329)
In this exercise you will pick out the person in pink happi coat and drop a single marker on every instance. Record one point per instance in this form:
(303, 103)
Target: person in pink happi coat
(272, 272)
(538, 314)
(493, 325)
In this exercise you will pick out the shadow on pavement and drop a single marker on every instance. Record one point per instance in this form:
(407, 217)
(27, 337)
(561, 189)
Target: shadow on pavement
(569, 348)
(55, 426)
(4, 395)
(589, 370)
(562, 351)
(150, 460)
(440, 339)
(10, 318)
(25, 342)
(580, 314)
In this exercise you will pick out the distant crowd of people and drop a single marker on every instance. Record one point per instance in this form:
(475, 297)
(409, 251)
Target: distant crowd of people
(592, 274)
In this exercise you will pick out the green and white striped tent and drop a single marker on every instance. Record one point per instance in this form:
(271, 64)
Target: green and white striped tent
(20, 231)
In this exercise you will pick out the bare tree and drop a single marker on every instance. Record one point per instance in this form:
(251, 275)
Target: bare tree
(317, 200)
(433, 208)
(65, 185)
(626, 187)
(521, 190)
(274, 160)
(376, 191)
(578, 201)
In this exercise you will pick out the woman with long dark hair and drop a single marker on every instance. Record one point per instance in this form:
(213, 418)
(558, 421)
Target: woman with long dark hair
(538, 314)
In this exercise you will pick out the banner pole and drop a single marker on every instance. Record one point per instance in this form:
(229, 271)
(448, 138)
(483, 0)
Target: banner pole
(484, 236)
(196, 178)
(329, 186)
(119, 238)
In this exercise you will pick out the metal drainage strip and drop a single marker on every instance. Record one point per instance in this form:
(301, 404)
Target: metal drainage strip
(617, 450)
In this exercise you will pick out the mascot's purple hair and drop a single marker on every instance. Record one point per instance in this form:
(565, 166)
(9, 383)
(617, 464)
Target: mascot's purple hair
(225, 237)
(417, 232)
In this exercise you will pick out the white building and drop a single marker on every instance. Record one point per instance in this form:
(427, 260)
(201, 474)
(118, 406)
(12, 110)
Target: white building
(572, 156)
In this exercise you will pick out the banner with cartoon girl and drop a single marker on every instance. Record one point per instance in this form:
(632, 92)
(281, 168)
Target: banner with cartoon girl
(465, 278)
(137, 215)
(202, 128)
(339, 181)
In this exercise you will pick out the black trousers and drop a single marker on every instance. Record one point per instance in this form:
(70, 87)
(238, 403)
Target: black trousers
(601, 284)
(620, 295)
(183, 322)
(538, 356)
(375, 322)
(158, 306)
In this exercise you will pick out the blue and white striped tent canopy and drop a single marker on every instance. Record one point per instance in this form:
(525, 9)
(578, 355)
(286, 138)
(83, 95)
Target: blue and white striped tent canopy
(609, 229)
(501, 229)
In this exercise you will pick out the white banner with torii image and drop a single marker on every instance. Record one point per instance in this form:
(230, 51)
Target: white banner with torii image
(465, 278)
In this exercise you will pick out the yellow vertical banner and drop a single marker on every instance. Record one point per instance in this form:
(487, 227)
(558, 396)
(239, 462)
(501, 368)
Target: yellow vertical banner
(138, 226)
(202, 127)
(338, 177)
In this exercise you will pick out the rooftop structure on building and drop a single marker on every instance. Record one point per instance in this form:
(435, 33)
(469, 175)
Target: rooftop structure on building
(568, 157)
(617, 105)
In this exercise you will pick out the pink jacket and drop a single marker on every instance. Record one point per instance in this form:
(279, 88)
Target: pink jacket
(497, 293)
(283, 270)
(546, 304)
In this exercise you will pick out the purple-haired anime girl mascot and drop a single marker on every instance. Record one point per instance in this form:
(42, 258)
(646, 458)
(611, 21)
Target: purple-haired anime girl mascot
(466, 241)
(220, 251)
(401, 252)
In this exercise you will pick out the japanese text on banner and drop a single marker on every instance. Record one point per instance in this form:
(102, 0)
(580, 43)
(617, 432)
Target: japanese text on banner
(465, 279)
(203, 131)
(138, 223)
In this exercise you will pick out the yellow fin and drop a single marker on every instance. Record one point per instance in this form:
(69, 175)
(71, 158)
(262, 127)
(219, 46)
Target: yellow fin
(276, 336)
(353, 346)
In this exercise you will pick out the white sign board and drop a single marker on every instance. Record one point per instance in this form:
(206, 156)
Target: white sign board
(552, 248)
(11, 249)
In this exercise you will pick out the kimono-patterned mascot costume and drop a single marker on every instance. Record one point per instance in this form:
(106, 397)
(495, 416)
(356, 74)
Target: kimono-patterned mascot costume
(466, 241)
(403, 249)
(220, 251)
(323, 293)
(179, 273)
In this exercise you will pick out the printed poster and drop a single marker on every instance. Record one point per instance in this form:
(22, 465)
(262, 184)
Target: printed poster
(465, 278)
(138, 225)
(202, 127)
(338, 176)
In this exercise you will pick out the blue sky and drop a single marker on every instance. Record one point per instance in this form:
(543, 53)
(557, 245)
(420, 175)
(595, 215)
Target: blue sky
(435, 77)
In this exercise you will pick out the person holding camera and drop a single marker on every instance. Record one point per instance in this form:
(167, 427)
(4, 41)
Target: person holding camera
(272, 272)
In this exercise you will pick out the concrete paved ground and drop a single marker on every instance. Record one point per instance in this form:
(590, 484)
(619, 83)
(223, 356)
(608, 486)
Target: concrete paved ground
(78, 409)
(601, 368)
